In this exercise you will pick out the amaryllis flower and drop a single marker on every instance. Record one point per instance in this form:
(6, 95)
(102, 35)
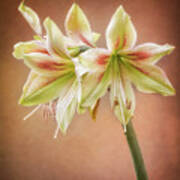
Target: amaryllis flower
(53, 71)
(122, 65)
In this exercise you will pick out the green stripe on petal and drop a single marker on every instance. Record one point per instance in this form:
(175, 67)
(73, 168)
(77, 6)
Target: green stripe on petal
(148, 78)
(130, 99)
(120, 33)
(94, 86)
(39, 89)
(31, 17)
(121, 94)
(77, 25)
(96, 78)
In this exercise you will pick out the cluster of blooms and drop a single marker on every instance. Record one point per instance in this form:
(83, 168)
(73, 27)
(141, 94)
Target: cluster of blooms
(72, 73)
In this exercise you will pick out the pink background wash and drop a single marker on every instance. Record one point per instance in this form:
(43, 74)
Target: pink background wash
(91, 150)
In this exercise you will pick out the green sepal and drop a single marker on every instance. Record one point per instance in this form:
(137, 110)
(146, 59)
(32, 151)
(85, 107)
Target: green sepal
(76, 51)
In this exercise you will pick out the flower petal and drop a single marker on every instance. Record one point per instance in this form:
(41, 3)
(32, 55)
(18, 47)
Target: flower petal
(40, 89)
(95, 59)
(124, 111)
(96, 75)
(148, 78)
(66, 118)
(149, 52)
(121, 94)
(120, 33)
(31, 17)
(77, 25)
(94, 86)
(47, 65)
(22, 48)
(66, 107)
(55, 39)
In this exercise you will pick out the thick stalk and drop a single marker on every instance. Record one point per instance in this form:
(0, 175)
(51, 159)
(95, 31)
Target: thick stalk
(136, 153)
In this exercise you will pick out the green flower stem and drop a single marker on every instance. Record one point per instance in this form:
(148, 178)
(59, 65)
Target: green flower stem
(136, 153)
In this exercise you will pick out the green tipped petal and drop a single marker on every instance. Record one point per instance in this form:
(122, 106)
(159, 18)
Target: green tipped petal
(148, 78)
(55, 39)
(40, 89)
(31, 17)
(120, 33)
(77, 25)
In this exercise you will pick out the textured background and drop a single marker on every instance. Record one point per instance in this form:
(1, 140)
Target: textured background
(90, 150)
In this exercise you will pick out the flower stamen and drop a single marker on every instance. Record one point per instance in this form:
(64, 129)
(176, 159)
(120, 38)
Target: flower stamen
(32, 112)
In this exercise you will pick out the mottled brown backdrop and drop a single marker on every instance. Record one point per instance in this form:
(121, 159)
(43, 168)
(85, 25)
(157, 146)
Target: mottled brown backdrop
(90, 150)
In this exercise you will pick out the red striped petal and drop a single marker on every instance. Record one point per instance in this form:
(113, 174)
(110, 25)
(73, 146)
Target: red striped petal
(51, 66)
(44, 51)
(138, 56)
(102, 59)
(84, 40)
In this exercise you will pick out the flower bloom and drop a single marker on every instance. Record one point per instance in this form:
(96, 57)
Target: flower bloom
(53, 74)
(71, 73)
(121, 65)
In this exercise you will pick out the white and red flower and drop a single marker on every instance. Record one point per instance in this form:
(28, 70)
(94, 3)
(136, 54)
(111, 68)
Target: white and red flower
(74, 72)
(122, 65)
(50, 57)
